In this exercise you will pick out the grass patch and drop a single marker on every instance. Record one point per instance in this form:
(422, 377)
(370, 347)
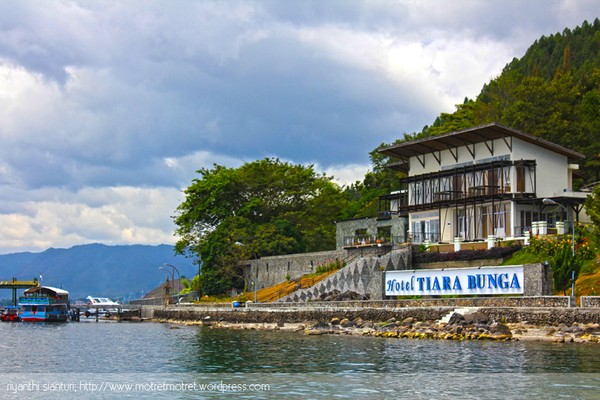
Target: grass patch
(588, 285)
(525, 257)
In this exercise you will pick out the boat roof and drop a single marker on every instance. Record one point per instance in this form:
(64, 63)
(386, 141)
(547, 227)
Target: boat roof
(101, 300)
(47, 289)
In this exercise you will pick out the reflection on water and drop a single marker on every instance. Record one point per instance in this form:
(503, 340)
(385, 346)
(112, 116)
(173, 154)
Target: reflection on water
(254, 351)
(298, 365)
(148, 347)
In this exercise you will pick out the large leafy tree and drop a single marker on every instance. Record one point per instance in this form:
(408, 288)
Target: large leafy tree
(266, 207)
(363, 196)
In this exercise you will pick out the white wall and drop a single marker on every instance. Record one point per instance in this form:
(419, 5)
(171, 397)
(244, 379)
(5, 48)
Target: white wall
(447, 159)
(551, 170)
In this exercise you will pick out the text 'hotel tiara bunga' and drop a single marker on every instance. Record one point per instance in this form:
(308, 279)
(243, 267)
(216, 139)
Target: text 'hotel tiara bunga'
(462, 281)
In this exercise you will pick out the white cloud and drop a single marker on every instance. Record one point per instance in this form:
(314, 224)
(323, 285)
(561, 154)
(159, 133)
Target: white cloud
(345, 175)
(115, 215)
(108, 108)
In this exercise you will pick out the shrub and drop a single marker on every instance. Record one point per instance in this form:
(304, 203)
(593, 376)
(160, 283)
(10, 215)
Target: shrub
(329, 266)
(559, 252)
(465, 255)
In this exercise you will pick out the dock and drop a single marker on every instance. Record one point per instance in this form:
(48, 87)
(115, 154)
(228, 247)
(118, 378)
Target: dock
(124, 312)
(16, 284)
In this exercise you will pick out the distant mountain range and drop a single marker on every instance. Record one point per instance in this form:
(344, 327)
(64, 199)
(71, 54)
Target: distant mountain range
(123, 272)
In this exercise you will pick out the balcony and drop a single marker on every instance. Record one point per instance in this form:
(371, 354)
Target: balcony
(477, 183)
(371, 241)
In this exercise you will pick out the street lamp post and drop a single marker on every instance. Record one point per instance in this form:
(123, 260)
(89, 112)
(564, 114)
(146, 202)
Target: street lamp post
(554, 203)
(172, 276)
(179, 277)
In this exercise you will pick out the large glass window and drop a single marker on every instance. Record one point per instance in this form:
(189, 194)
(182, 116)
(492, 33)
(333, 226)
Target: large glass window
(426, 230)
(463, 221)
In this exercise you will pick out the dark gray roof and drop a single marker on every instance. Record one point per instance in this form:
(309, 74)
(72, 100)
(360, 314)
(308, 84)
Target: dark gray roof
(465, 137)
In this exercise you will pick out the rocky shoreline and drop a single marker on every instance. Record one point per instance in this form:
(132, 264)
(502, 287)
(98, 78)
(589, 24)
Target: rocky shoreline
(474, 326)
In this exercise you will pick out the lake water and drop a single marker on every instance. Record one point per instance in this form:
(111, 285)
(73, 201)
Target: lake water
(151, 360)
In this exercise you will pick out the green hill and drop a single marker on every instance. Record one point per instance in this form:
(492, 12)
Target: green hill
(553, 92)
(96, 269)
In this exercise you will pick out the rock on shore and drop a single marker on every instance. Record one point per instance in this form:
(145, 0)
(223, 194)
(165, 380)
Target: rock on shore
(474, 326)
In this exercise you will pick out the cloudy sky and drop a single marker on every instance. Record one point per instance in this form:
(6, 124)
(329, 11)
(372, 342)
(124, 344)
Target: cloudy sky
(107, 108)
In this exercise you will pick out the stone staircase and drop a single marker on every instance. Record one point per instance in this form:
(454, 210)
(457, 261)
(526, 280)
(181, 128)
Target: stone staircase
(363, 276)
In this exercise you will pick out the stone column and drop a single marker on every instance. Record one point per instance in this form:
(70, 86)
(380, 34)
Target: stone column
(491, 241)
(537, 280)
(543, 228)
(457, 241)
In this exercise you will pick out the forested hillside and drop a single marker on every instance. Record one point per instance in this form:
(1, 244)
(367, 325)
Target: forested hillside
(553, 92)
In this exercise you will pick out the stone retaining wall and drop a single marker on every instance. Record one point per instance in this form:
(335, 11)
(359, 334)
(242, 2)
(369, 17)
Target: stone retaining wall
(590, 301)
(364, 276)
(541, 301)
(298, 316)
(544, 316)
(535, 316)
(269, 271)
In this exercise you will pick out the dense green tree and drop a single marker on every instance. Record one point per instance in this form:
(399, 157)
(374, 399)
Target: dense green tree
(266, 207)
(362, 197)
(592, 209)
(553, 92)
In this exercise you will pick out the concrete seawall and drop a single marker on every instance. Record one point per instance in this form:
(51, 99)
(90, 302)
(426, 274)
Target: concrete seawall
(549, 316)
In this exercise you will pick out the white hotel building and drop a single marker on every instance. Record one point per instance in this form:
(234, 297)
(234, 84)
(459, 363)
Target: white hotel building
(485, 182)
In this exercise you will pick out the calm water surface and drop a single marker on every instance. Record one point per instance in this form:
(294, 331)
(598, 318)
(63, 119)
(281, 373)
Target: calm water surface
(148, 360)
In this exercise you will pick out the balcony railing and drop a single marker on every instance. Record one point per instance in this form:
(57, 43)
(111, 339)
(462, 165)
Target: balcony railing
(372, 240)
(447, 188)
(422, 237)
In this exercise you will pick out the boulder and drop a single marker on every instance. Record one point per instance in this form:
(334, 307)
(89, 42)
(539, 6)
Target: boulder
(591, 328)
(346, 323)
(320, 325)
(476, 318)
(499, 329)
(455, 318)
(330, 296)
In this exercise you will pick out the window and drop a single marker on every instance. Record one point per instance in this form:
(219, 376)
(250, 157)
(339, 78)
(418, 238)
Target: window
(384, 233)
(463, 223)
(426, 230)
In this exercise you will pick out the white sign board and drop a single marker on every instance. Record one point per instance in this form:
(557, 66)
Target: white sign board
(455, 281)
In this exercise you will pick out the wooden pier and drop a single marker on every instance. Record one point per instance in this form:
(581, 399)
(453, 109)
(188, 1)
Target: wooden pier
(122, 312)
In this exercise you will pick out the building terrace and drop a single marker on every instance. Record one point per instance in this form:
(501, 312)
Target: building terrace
(470, 185)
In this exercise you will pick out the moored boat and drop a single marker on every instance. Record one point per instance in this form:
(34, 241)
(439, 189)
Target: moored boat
(101, 305)
(10, 314)
(44, 303)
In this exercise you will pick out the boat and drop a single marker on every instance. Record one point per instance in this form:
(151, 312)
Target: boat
(10, 314)
(101, 305)
(44, 303)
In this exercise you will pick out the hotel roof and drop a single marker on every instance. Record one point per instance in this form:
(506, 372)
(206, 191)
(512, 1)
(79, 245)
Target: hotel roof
(478, 134)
